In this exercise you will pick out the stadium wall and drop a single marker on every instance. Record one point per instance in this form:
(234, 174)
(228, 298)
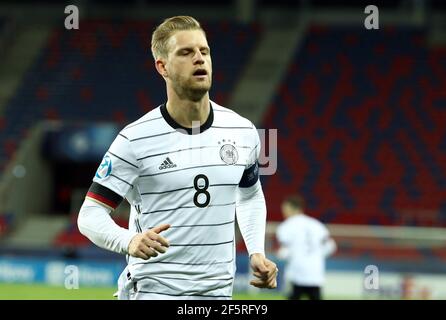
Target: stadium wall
(57, 272)
(343, 281)
(392, 286)
(54, 271)
(26, 187)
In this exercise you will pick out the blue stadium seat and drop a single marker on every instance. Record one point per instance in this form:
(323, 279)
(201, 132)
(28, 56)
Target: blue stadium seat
(361, 117)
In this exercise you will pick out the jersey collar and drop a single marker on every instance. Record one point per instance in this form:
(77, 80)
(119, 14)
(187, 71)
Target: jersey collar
(206, 125)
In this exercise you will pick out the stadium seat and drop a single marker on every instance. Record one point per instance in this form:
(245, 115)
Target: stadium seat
(361, 128)
(105, 72)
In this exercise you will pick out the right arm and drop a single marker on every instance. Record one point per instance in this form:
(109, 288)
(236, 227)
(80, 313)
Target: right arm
(115, 177)
(282, 236)
(95, 223)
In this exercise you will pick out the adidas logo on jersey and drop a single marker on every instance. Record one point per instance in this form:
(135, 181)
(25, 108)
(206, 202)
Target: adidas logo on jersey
(167, 164)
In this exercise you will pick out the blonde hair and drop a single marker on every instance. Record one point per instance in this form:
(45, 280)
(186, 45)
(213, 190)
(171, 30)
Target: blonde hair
(165, 30)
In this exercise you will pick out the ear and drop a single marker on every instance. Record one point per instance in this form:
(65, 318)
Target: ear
(160, 66)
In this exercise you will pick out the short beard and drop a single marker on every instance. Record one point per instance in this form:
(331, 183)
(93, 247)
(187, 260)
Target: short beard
(187, 93)
(195, 95)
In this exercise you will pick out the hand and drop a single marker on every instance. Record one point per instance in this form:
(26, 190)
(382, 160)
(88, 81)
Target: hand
(149, 243)
(265, 270)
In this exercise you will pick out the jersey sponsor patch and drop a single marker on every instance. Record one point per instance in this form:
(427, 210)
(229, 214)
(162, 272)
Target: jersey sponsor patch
(105, 168)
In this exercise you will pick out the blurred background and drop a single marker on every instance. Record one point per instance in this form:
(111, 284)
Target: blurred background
(360, 116)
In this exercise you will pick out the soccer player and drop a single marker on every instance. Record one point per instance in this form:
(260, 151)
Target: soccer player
(188, 168)
(305, 243)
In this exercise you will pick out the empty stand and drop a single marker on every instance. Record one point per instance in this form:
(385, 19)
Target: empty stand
(360, 117)
(105, 72)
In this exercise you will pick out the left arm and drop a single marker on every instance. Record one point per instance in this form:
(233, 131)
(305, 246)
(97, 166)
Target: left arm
(330, 247)
(251, 219)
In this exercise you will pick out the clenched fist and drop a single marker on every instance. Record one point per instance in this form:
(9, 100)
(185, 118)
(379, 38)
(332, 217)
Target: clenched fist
(149, 243)
(264, 270)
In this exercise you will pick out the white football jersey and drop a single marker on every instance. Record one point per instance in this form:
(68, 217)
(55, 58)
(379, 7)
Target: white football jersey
(189, 180)
(307, 243)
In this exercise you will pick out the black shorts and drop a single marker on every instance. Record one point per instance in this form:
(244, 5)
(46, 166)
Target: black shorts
(299, 292)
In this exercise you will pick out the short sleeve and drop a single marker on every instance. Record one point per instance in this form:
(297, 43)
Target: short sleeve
(325, 233)
(282, 234)
(119, 168)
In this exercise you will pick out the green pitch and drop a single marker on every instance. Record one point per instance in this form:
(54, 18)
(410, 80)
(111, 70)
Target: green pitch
(44, 292)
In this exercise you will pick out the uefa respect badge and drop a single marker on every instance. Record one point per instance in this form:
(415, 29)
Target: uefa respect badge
(105, 168)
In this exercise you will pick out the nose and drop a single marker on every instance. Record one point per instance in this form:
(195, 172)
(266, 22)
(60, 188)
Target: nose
(198, 58)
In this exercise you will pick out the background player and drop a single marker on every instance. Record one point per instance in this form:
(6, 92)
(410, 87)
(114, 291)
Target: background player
(305, 243)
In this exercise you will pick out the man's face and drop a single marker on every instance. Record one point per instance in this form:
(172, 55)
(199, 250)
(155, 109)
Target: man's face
(287, 210)
(189, 64)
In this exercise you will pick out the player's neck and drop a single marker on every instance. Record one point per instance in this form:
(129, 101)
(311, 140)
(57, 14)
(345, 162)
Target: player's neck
(296, 214)
(188, 113)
